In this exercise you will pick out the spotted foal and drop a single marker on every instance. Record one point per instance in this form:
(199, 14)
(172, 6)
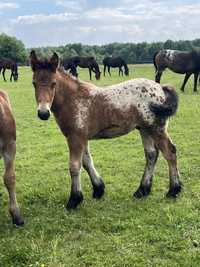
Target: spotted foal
(84, 112)
(8, 150)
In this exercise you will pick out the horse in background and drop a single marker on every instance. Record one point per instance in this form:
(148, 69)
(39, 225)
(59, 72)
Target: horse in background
(85, 112)
(71, 65)
(6, 63)
(183, 62)
(83, 62)
(115, 62)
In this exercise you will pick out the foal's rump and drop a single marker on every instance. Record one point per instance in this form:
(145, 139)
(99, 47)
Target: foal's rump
(135, 103)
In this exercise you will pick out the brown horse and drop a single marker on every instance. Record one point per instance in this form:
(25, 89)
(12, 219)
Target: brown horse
(84, 112)
(182, 62)
(7, 150)
(7, 63)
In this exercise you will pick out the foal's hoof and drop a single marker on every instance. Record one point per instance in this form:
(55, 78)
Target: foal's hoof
(98, 190)
(174, 191)
(142, 191)
(74, 200)
(18, 221)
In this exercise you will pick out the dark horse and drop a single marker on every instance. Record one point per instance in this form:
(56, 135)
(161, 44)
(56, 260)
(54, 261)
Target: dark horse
(115, 62)
(84, 112)
(71, 65)
(84, 62)
(183, 62)
(6, 63)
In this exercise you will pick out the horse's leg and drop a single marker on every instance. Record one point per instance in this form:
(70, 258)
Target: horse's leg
(119, 71)
(187, 76)
(3, 73)
(195, 81)
(11, 76)
(158, 75)
(90, 73)
(76, 148)
(104, 70)
(151, 155)
(109, 70)
(168, 150)
(9, 181)
(96, 180)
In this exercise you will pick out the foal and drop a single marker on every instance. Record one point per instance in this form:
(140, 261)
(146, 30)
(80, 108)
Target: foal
(8, 150)
(84, 112)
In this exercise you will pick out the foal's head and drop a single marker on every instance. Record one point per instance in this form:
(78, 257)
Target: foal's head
(44, 81)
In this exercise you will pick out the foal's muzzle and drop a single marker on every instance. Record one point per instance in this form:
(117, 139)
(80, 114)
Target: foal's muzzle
(44, 114)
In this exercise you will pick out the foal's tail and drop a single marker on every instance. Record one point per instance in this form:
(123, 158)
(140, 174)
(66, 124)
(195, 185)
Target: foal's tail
(154, 60)
(169, 107)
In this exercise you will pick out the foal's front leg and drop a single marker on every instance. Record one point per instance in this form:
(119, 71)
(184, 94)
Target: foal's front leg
(96, 180)
(76, 148)
(151, 155)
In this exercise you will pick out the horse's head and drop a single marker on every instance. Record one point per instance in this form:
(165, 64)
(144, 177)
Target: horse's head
(97, 75)
(44, 81)
(126, 71)
(15, 75)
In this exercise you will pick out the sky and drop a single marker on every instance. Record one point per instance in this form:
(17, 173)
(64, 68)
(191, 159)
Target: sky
(58, 22)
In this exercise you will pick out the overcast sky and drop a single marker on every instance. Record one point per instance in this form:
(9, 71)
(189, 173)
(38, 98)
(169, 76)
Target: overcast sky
(56, 22)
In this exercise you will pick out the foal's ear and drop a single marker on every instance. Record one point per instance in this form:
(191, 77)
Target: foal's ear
(54, 61)
(33, 60)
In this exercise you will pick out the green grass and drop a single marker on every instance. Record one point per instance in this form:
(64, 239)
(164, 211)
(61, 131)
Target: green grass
(117, 230)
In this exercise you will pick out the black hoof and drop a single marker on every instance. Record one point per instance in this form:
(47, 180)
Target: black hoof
(98, 190)
(173, 192)
(18, 221)
(142, 191)
(74, 200)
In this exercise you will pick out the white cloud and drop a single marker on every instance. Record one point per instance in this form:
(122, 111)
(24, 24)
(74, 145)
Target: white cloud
(42, 18)
(126, 21)
(8, 5)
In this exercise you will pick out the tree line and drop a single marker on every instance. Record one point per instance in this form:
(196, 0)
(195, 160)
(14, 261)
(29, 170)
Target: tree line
(132, 53)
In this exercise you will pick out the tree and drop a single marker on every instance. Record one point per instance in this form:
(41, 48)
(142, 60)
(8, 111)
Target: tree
(10, 47)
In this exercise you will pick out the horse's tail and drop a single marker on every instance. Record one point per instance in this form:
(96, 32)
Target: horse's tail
(169, 107)
(154, 60)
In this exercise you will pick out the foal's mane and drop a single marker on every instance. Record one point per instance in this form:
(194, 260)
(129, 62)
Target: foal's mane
(85, 86)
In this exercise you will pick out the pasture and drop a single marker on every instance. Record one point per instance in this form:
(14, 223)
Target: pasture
(116, 231)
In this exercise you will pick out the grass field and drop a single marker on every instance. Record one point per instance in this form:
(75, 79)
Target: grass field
(116, 231)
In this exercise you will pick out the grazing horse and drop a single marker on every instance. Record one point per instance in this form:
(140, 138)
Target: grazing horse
(84, 112)
(71, 65)
(115, 62)
(7, 151)
(83, 62)
(182, 62)
(7, 63)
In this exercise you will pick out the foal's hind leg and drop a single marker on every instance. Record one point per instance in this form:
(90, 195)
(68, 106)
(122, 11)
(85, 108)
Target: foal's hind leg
(168, 150)
(151, 155)
(96, 180)
(9, 181)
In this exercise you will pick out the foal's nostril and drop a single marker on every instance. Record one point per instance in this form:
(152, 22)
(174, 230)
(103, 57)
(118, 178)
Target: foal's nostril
(44, 115)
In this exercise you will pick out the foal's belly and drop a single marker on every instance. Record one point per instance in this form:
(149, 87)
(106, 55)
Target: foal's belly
(113, 131)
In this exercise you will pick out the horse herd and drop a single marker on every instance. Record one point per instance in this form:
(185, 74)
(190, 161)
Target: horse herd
(84, 112)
